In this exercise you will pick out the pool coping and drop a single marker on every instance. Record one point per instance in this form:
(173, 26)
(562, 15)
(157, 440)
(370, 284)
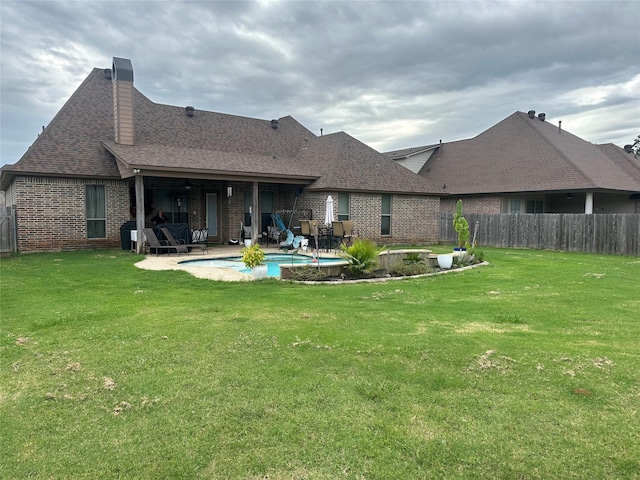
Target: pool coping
(172, 262)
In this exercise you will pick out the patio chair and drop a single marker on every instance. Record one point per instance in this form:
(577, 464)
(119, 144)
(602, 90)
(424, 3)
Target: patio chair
(152, 242)
(273, 234)
(309, 229)
(343, 232)
(199, 235)
(247, 231)
(337, 233)
(349, 232)
(183, 247)
(305, 228)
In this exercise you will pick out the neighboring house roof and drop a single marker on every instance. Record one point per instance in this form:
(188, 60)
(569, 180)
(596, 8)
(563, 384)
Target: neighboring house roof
(409, 152)
(523, 154)
(413, 158)
(79, 142)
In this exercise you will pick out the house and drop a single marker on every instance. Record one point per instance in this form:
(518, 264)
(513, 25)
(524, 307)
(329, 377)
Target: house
(524, 164)
(112, 156)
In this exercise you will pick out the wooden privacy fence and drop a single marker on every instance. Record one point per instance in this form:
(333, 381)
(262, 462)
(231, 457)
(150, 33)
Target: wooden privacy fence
(7, 230)
(617, 233)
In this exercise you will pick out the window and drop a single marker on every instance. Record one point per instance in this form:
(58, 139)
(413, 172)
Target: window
(173, 203)
(96, 212)
(343, 206)
(514, 206)
(386, 215)
(534, 206)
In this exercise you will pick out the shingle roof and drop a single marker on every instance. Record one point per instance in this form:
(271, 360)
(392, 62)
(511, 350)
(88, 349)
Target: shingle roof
(70, 144)
(521, 154)
(408, 152)
(197, 160)
(80, 142)
(349, 164)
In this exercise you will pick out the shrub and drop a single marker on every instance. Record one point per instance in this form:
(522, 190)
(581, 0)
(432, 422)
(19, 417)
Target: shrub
(405, 269)
(413, 258)
(470, 257)
(463, 260)
(308, 273)
(478, 254)
(362, 257)
(252, 256)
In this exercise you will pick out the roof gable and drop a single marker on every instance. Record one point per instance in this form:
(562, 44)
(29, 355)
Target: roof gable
(70, 144)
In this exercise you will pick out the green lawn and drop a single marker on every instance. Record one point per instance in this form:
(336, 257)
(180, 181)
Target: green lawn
(526, 368)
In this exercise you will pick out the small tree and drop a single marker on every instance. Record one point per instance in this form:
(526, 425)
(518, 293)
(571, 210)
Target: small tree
(635, 147)
(461, 226)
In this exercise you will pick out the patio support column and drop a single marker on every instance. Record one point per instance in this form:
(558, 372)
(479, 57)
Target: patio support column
(139, 211)
(254, 213)
(588, 203)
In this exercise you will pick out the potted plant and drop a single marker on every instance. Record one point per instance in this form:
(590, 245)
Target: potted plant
(253, 258)
(461, 226)
(445, 261)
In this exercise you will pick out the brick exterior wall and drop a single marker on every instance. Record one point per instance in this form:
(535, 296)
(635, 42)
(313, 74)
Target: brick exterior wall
(51, 213)
(485, 204)
(414, 218)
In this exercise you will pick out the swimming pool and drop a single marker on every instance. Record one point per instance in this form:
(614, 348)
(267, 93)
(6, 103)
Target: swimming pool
(273, 261)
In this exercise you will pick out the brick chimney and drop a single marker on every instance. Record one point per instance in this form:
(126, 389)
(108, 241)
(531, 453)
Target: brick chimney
(122, 80)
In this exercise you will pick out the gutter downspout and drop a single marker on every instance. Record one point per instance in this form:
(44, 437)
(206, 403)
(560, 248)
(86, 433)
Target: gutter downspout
(588, 203)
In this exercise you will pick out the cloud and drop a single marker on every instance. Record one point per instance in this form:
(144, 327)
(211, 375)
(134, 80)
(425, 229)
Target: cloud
(391, 74)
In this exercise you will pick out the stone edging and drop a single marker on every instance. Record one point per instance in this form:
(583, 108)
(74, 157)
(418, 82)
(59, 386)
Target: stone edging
(384, 279)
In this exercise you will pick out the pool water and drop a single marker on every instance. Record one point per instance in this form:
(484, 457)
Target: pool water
(273, 261)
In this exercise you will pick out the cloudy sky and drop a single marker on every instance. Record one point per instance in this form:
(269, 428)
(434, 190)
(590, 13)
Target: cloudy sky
(391, 74)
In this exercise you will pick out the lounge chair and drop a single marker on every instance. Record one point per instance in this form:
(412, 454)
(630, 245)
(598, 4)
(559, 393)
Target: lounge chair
(152, 242)
(183, 247)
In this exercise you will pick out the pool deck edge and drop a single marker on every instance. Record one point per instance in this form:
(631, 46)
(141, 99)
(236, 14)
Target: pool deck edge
(172, 262)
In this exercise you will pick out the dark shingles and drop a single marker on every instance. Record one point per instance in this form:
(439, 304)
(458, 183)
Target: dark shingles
(70, 145)
(80, 142)
(520, 154)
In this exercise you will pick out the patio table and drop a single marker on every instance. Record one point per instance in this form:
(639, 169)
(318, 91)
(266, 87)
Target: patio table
(325, 238)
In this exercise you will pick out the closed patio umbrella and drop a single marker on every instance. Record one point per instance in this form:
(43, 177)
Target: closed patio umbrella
(328, 216)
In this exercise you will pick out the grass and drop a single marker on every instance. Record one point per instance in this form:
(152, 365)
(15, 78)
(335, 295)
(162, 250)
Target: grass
(526, 368)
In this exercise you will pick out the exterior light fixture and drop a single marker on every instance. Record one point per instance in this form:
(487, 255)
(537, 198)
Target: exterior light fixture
(136, 170)
(229, 191)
